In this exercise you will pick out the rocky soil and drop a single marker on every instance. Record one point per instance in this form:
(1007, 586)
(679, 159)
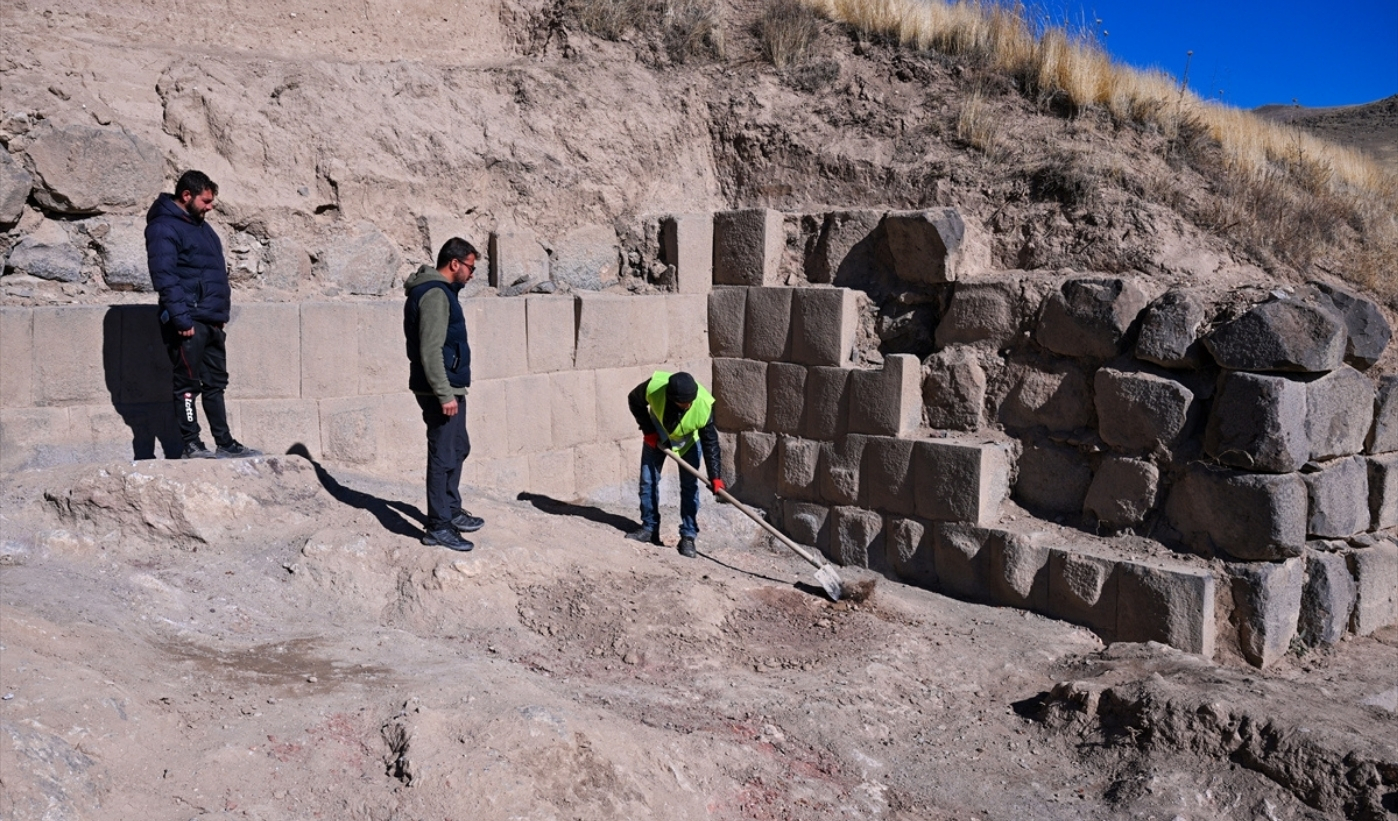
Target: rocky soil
(265, 639)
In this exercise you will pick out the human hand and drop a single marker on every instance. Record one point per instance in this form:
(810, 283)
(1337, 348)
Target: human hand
(718, 485)
(186, 332)
(449, 408)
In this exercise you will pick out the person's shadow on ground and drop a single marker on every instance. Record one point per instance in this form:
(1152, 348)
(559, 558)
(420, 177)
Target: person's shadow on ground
(394, 516)
(554, 507)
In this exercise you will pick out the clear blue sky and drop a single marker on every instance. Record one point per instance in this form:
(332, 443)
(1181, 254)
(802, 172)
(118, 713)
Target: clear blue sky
(1321, 54)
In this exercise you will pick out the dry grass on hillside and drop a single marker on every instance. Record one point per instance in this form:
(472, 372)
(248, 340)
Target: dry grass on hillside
(1280, 189)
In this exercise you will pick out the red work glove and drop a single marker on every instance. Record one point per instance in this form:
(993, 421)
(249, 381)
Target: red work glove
(652, 440)
(718, 485)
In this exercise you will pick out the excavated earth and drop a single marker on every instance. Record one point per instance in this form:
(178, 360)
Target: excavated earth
(266, 639)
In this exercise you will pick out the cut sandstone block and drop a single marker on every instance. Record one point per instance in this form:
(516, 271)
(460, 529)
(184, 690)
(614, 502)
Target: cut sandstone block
(487, 420)
(1383, 438)
(1123, 492)
(34, 438)
(756, 480)
(856, 538)
(348, 430)
(587, 258)
(768, 324)
(530, 421)
(1327, 600)
(688, 244)
(552, 473)
(264, 351)
(797, 463)
(953, 390)
(1053, 479)
(786, 397)
(985, 312)
(497, 331)
(1368, 332)
(887, 402)
(516, 256)
(748, 247)
(934, 246)
(1302, 333)
(1082, 589)
(1338, 495)
(1258, 423)
(1267, 602)
(550, 324)
(688, 331)
(1383, 491)
(277, 425)
(573, 409)
(840, 470)
(846, 247)
(1058, 398)
(1019, 570)
(1375, 571)
(597, 472)
(1170, 330)
(68, 369)
(617, 331)
(1090, 317)
(505, 473)
(614, 419)
(17, 362)
(1170, 604)
(807, 523)
(727, 317)
(329, 367)
(1138, 411)
(887, 476)
(823, 324)
(827, 403)
(383, 360)
(910, 550)
(740, 393)
(962, 559)
(1339, 413)
(960, 482)
(1249, 516)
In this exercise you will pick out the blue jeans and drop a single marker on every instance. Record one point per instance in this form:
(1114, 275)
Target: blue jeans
(652, 460)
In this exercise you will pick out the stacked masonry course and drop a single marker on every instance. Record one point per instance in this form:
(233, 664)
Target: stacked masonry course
(1239, 434)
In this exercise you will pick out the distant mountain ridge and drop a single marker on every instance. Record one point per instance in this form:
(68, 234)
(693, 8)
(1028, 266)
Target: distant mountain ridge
(1371, 127)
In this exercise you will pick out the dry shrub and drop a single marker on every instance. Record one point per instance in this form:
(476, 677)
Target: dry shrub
(787, 29)
(693, 30)
(610, 19)
(979, 126)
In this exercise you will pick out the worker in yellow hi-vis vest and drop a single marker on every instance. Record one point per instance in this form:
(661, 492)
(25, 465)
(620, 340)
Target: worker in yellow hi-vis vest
(676, 413)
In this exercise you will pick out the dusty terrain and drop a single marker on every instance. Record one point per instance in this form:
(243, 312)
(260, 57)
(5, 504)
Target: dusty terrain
(266, 640)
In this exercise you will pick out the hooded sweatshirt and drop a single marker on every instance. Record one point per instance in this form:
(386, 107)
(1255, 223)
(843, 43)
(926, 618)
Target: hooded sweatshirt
(186, 264)
(434, 330)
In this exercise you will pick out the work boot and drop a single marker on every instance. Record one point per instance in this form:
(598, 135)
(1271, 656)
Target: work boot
(196, 450)
(687, 547)
(446, 537)
(644, 534)
(464, 522)
(236, 450)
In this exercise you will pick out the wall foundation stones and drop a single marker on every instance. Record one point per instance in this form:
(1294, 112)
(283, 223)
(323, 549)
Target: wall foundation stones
(1259, 423)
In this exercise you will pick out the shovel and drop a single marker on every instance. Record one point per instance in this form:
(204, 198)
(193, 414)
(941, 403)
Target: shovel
(825, 572)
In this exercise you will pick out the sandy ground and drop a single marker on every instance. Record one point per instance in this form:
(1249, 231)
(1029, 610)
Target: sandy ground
(267, 639)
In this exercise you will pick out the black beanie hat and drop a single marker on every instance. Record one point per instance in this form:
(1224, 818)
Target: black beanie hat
(681, 388)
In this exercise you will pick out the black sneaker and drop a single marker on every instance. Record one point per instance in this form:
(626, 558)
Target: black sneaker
(687, 547)
(236, 450)
(644, 534)
(446, 537)
(464, 522)
(196, 450)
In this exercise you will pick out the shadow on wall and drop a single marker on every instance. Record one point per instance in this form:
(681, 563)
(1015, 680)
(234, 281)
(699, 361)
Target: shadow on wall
(137, 373)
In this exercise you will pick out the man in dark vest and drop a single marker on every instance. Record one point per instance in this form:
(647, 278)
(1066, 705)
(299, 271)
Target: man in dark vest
(439, 357)
(674, 413)
(185, 258)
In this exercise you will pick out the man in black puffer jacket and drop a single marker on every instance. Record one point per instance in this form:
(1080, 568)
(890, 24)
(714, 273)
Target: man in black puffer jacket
(187, 268)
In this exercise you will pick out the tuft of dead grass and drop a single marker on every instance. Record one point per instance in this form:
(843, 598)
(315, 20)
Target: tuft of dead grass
(786, 30)
(611, 19)
(693, 29)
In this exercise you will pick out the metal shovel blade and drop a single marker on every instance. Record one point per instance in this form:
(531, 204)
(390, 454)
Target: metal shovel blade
(825, 574)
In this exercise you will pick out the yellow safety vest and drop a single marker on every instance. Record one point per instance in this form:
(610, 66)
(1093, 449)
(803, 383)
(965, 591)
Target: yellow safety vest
(686, 432)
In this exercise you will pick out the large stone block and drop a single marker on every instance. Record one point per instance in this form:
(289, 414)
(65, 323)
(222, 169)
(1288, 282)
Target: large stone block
(887, 402)
(81, 169)
(348, 430)
(400, 420)
(1018, 573)
(1138, 411)
(748, 247)
(740, 393)
(612, 330)
(498, 331)
(143, 374)
(121, 248)
(1339, 498)
(1383, 437)
(48, 252)
(934, 246)
(768, 324)
(758, 457)
(1375, 572)
(856, 538)
(587, 258)
(1248, 516)
(517, 260)
(1303, 333)
(17, 359)
(687, 241)
(15, 185)
(1123, 492)
(727, 322)
(264, 351)
(68, 368)
(823, 325)
(962, 557)
(1267, 607)
(1339, 413)
(1383, 491)
(953, 390)
(960, 482)
(986, 312)
(807, 523)
(103, 433)
(330, 349)
(840, 470)
(552, 474)
(1053, 479)
(1082, 589)
(488, 415)
(1090, 317)
(1327, 600)
(573, 407)
(688, 319)
(909, 544)
(827, 403)
(383, 356)
(846, 248)
(797, 464)
(597, 472)
(614, 419)
(530, 420)
(1169, 604)
(1258, 423)
(1056, 397)
(509, 473)
(1367, 329)
(1170, 330)
(34, 438)
(361, 260)
(277, 425)
(786, 397)
(887, 475)
(550, 332)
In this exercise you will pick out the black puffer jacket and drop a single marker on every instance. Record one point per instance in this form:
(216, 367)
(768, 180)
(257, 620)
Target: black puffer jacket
(186, 265)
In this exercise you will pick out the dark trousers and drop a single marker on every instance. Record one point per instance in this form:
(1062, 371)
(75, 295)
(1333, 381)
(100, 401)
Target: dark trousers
(200, 367)
(652, 462)
(448, 445)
